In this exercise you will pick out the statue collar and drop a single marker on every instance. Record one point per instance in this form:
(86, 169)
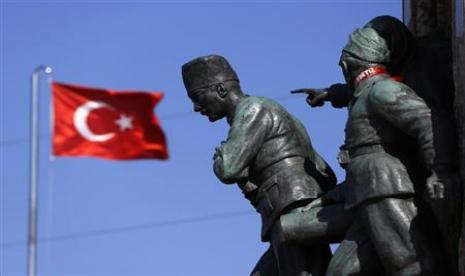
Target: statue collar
(365, 84)
(368, 73)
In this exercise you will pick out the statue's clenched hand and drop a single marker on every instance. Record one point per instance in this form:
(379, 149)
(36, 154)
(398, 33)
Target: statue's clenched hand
(318, 202)
(218, 150)
(435, 186)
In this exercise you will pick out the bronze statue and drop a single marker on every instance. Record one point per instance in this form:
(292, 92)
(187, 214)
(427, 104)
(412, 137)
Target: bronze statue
(423, 63)
(388, 125)
(269, 155)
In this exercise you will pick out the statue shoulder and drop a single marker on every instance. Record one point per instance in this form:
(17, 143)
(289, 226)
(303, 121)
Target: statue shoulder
(255, 104)
(251, 109)
(388, 91)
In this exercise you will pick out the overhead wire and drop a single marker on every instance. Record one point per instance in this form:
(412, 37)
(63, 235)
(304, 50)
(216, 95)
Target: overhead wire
(116, 230)
(167, 117)
(123, 229)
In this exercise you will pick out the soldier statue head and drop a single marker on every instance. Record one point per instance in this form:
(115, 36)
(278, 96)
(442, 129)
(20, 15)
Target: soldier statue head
(399, 40)
(212, 85)
(365, 49)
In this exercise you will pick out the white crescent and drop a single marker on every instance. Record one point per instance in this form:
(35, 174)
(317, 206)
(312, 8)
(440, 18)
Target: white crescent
(80, 121)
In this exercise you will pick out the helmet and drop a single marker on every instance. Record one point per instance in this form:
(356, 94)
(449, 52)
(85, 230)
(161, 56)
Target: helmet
(367, 45)
(398, 37)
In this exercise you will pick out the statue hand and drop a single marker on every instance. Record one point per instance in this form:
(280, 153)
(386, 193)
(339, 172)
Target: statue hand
(218, 150)
(318, 202)
(316, 97)
(434, 186)
(250, 191)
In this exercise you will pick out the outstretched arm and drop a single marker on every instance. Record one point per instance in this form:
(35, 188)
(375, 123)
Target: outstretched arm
(315, 97)
(338, 94)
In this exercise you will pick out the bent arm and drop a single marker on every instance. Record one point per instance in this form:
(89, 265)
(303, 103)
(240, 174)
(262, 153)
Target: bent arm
(247, 134)
(403, 108)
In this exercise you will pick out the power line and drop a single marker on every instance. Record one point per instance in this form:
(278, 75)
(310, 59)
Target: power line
(312, 2)
(133, 227)
(168, 117)
(117, 230)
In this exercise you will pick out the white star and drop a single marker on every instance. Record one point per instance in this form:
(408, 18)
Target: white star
(124, 122)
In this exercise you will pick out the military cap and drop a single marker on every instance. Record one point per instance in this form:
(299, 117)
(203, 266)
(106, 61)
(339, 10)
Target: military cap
(367, 45)
(207, 70)
(398, 37)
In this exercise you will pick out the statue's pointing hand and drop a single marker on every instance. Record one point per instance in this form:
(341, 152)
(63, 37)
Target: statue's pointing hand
(316, 97)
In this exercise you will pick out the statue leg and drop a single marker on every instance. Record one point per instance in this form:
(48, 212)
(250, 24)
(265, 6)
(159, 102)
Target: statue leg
(318, 257)
(267, 265)
(399, 237)
(319, 225)
(298, 259)
(355, 255)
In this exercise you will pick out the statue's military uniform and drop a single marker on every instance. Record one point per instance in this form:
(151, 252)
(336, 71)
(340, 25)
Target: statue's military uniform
(269, 155)
(424, 65)
(270, 148)
(387, 125)
(390, 145)
(388, 129)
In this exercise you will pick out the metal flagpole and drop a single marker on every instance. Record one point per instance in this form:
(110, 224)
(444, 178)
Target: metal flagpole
(32, 239)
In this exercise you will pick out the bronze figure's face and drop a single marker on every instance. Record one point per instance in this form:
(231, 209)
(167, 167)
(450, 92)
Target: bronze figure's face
(209, 81)
(343, 63)
(209, 102)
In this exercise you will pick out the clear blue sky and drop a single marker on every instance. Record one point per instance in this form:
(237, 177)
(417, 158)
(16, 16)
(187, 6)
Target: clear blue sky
(100, 217)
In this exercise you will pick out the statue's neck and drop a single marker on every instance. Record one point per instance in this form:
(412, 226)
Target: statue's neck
(235, 98)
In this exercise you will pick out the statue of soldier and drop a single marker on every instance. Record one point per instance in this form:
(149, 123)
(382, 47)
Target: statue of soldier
(387, 128)
(423, 64)
(269, 155)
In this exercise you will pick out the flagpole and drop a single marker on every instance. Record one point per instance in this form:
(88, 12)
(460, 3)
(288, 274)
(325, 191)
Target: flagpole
(32, 238)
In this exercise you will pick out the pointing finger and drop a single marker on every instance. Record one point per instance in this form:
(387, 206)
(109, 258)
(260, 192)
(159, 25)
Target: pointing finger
(299, 91)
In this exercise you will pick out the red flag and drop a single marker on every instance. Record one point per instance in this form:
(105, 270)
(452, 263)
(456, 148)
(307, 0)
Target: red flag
(105, 123)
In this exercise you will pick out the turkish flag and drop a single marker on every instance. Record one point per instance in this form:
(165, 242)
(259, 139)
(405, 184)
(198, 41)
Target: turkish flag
(106, 123)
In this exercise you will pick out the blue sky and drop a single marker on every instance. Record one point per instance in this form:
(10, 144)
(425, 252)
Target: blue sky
(100, 217)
